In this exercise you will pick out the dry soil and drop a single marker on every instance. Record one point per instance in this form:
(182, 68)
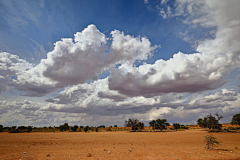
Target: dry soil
(179, 145)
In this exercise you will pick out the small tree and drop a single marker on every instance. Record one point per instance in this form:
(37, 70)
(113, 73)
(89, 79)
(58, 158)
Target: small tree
(140, 125)
(213, 121)
(131, 122)
(1, 128)
(102, 126)
(210, 141)
(29, 129)
(96, 129)
(153, 124)
(236, 119)
(86, 128)
(176, 126)
(202, 122)
(61, 128)
(115, 126)
(74, 128)
(22, 128)
(162, 123)
(66, 126)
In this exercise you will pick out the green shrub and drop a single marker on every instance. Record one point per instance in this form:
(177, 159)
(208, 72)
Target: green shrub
(210, 141)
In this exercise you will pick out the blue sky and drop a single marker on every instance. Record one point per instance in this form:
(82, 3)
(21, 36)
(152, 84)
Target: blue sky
(177, 60)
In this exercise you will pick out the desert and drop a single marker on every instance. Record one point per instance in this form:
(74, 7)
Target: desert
(173, 145)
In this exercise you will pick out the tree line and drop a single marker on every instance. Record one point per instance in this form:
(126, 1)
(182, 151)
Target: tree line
(210, 121)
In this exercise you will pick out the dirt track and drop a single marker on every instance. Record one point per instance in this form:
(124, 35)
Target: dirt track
(122, 145)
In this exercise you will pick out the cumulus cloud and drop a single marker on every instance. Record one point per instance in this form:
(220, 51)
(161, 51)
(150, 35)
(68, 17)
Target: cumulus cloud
(73, 62)
(183, 73)
(10, 66)
(147, 91)
(205, 70)
(76, 62)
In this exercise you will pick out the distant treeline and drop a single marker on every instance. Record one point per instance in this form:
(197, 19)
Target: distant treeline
(210, 121)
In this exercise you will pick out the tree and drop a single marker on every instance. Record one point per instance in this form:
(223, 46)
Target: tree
(131, 122)
(22, 127)
(115, 125)
(140, 125)
(176, 126)
(202, 122)
(96, 129)
(61, 128)
(162, 123)
(102, 126)
(210, 141)
(1, 128)
(66, 126)
(74, 128)
(29, 129)
(236, 119)
(86, 128)
(153, 124)
(213, 121)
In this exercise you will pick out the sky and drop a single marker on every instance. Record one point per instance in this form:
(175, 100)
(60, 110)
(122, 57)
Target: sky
(93, 62)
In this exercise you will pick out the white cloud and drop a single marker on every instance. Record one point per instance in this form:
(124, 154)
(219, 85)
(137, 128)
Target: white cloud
(194, 12)
(201, 71)
(10, 65)
(147, 91)
(71, 63)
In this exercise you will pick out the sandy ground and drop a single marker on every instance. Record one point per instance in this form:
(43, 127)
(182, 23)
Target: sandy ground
(179, 145)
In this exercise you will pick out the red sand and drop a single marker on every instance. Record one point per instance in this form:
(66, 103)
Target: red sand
(187, 144)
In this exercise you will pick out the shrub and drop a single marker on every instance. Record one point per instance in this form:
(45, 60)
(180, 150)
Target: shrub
(210, 141)
(183, 127)
(13, 130)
